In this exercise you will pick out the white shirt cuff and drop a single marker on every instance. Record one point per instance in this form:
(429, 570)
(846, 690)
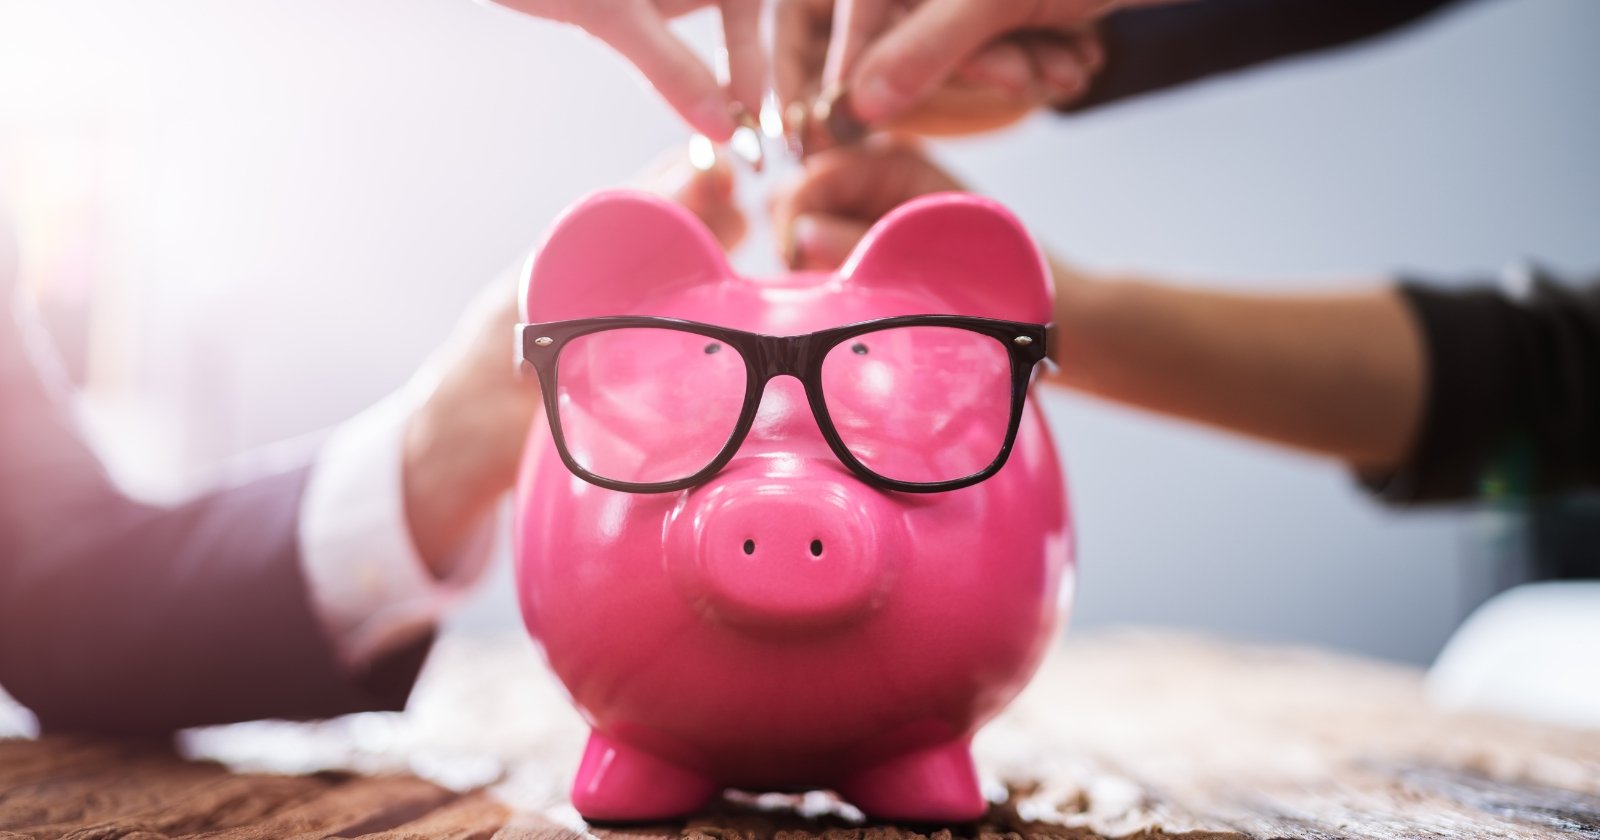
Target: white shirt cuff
(369, 586)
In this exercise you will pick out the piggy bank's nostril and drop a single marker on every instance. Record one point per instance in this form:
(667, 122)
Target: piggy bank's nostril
(800, 552)
(816, 547)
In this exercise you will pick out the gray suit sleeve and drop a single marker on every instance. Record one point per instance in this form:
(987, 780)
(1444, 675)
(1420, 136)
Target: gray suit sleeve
(118, 616)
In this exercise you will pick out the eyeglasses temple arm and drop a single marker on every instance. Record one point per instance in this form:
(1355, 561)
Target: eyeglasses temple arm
(1049, 360)
(519, 353)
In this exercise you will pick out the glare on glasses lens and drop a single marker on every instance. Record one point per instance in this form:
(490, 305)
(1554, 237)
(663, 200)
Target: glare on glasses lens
(917, 403)
(645, 405)
(920, 404)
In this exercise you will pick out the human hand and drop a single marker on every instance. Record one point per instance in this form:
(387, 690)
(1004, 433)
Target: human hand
(638, 30)
(705, 190)
(842, 192)
(892, 63)
(831, 204)
(464, 443)
(998, 84)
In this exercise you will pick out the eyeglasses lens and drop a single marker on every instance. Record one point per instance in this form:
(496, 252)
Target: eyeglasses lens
(647, 405)
(920, 404)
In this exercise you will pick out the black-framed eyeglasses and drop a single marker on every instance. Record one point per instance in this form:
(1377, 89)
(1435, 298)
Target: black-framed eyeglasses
(916, 403)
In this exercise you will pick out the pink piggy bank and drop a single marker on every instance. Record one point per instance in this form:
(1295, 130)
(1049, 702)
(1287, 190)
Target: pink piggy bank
(788, 533)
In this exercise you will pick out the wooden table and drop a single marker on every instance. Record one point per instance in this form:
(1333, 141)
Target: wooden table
(1132, 734)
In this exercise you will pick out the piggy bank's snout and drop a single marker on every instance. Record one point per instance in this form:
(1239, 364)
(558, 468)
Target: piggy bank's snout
(783, 553)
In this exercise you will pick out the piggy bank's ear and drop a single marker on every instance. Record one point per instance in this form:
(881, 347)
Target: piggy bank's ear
(612, 250)
(965, 250)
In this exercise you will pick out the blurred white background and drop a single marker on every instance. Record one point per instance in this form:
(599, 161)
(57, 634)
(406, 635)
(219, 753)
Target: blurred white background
(280, 207)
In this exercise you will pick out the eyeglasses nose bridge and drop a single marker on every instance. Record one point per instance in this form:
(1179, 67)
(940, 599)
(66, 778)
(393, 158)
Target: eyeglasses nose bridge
(792, 356)
(783, 355)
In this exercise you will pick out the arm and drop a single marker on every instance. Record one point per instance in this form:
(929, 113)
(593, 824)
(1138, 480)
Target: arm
(1159, 47)
(399, 510)
(254, 601)
(1430, 395)
(1338, 374)
(1068, 54)
(308, 592)
(119, 616)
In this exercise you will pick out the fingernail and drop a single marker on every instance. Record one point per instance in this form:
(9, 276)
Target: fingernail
(791, 247)
(1064, 73)
(1062, 94)
(802, 238)
(873, 99)
(995, 69)
(713, 119)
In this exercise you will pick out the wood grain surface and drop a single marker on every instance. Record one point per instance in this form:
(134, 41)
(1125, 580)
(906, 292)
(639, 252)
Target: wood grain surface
(1129, 735)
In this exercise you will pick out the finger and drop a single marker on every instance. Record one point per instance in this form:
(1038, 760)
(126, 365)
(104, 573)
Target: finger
(856, 23)
(705, 191)
(728, 225)
(555, 10)
(747, 61)
(822, 242)
(674, 8)
(708, 193)
(1060, 70)
(833, 182)
(799, 45)
(1062, 14)
(961, 109)
(1091, 53)
(863, 181)
(640, 33)
(1004, 64)
(920, 53)
(698, 184)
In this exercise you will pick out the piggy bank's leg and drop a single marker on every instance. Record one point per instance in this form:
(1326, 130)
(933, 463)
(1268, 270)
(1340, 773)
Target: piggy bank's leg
(937, 784)
(620, 783)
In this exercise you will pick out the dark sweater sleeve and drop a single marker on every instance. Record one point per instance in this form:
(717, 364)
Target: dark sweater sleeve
(1513, 402)
(1159, 47)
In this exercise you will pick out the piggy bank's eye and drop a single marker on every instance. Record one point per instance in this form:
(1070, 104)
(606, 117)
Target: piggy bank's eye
(712, 348)
(859, 349)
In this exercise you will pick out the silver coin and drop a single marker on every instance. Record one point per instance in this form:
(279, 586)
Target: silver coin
(833, 112)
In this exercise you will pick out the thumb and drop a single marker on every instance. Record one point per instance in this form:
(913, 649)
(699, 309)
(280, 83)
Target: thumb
(916, 56)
